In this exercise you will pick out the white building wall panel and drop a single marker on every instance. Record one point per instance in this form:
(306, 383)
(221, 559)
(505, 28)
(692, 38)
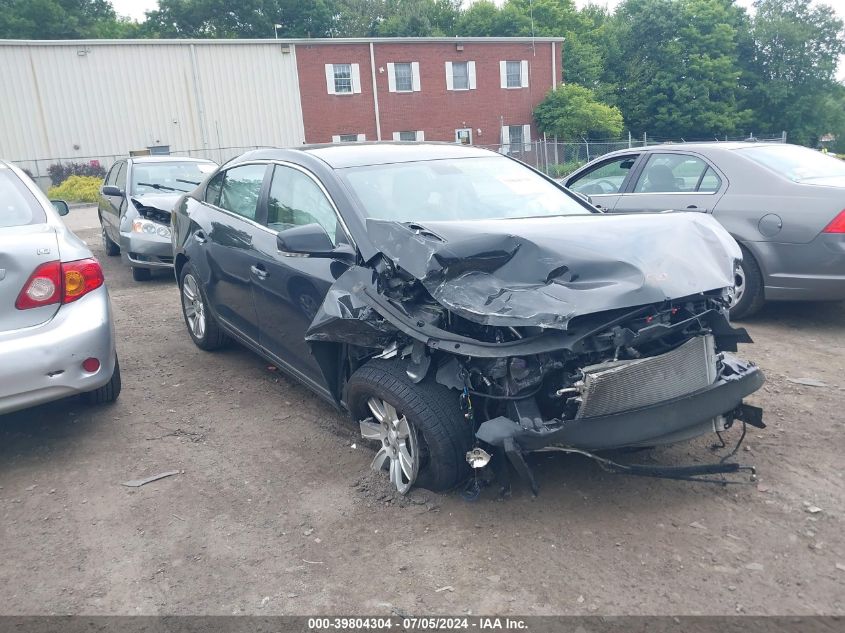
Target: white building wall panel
(99, 100)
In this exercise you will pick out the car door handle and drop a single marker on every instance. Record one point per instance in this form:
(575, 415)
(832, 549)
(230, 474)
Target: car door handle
(200, 237)
(259, 271)
(692, 206)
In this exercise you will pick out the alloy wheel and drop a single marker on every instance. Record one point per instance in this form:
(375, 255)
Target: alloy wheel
(399, 452)
(193, 306)
(739, 285)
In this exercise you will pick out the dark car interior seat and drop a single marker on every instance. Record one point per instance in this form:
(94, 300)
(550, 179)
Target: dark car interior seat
(659, 178)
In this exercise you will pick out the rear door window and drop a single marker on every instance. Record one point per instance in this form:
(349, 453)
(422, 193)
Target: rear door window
(676, 173)
(241, 190)
(18, 206)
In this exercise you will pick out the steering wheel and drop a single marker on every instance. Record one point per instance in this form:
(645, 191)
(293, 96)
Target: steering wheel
(610, 186)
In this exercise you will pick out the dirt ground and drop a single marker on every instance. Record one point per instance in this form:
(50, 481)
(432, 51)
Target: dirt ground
(276, 512)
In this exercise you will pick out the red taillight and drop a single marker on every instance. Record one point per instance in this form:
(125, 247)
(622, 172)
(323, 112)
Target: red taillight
(44, 287)
(80, 278)
(837, 225)
(91, 365)
(56, 282)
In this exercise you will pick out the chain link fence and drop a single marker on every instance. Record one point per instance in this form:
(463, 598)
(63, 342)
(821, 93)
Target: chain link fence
(560, 158)
(552, 157)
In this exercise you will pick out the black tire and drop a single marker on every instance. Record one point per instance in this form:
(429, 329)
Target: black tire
(108, 392)
(431, 409)
(111, 248)
(141, 274)
(752, 299)
(212, 336)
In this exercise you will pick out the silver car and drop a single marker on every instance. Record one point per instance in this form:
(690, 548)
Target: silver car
(56, 328)
(136, 199)
(782, 203)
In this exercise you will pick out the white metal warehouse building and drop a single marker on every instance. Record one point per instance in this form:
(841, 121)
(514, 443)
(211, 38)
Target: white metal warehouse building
(99, 99)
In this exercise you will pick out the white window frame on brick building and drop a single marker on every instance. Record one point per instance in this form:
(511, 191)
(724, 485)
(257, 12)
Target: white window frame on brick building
(457, 80)
(511, 80)
(406, 135)
(343, 79)
(349, 138)
(516, 138)
(392, 79)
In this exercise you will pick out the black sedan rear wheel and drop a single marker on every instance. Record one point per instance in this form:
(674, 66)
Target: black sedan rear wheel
(202, 326)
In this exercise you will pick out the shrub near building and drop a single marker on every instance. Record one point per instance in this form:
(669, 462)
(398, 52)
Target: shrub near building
(77, 189)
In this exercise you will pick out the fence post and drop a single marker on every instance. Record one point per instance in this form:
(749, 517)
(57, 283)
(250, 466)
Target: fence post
(645, 140)
(557, 160)
(783, 137)
(629, 140)
(546, 152)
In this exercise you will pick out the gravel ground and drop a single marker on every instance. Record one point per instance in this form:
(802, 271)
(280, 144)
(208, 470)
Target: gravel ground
(275, 511)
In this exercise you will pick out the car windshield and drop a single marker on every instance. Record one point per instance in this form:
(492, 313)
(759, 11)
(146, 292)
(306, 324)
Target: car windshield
(799, 164)
(169, 177)
(484, 188)
(17, 204)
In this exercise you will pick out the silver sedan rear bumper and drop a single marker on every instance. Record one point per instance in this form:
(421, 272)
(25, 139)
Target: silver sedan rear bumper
(44, 363)
(804, 272)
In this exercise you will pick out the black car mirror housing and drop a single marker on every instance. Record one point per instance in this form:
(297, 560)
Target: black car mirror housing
(311, 240)
(111, 190)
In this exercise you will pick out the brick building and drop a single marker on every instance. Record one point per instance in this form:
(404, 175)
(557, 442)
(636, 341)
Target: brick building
(224, 97)
(473, 90)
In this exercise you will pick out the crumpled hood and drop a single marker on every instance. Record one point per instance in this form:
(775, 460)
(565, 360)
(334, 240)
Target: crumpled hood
(162, 201)
(545, 271)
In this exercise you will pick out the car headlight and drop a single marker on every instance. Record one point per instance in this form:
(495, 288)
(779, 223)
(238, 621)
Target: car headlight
(148, 227)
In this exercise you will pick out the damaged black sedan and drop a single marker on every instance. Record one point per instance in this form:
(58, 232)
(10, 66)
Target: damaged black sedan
(464, 308)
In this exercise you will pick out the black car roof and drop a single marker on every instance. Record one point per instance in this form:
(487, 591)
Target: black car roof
(342, 155)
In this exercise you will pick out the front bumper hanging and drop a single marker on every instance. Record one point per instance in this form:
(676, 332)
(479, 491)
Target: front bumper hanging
(684, 416)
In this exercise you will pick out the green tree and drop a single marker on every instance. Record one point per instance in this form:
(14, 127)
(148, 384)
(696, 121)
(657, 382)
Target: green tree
(242, 19)
(419, 18)
(674, 70)
(790, 71)
(571, 111)
(59, 19)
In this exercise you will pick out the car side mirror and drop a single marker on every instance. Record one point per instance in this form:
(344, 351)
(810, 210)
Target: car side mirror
(61, 206)
(111, 190)
(309, 240)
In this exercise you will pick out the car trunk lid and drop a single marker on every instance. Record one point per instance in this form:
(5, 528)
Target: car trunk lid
(22, 250)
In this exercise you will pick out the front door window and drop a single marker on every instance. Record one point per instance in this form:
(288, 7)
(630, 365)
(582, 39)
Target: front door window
(605, 178)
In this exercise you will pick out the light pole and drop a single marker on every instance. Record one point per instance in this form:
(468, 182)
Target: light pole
(276, 28)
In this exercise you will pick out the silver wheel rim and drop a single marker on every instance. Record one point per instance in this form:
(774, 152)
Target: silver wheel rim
(105, 237)
(398, 453)
(739, 285)
(193, 306)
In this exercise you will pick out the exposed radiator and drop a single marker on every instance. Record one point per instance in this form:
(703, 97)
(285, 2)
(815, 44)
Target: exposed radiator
(632, 384)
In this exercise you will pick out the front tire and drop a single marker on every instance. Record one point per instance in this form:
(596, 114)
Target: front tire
(108, 392)
(141, 274)
(202, 326)
(421, 421)
(749, 288)
(110, 247)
